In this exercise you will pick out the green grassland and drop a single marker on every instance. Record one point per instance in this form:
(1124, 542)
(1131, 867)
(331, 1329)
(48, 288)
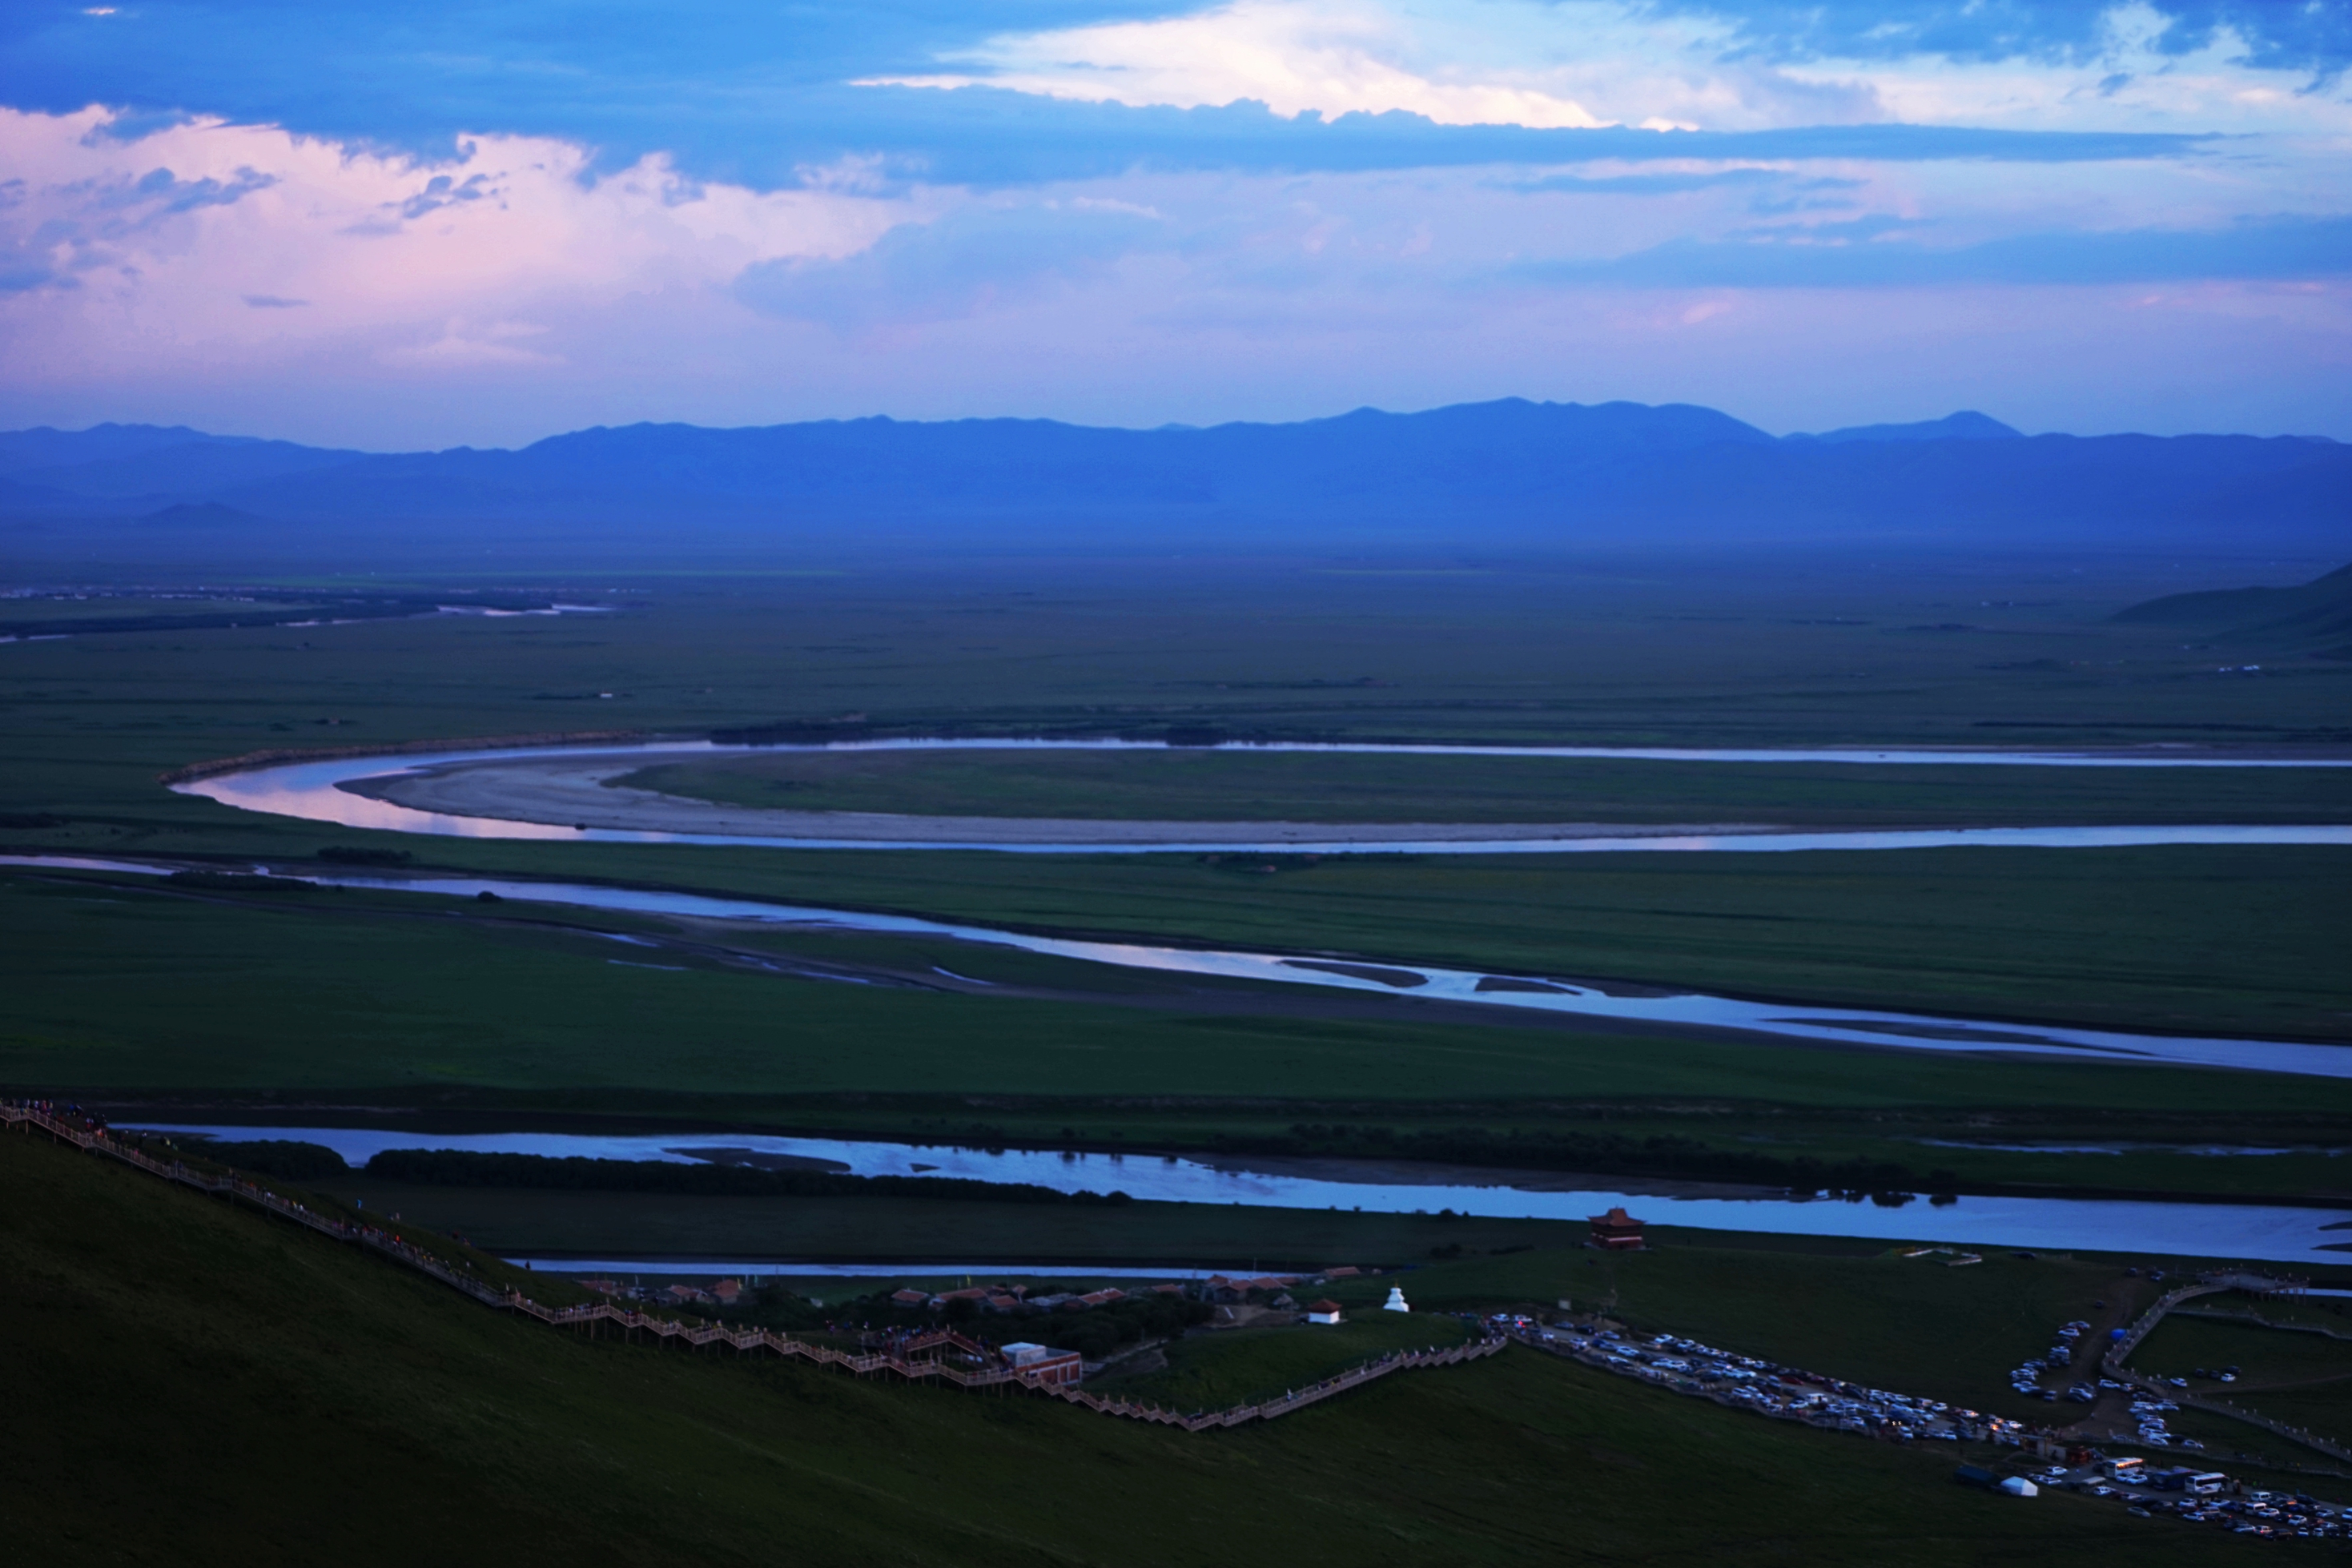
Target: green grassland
(1912, 1324)
(887, 1229)
(1240, 1366)
(195, 1385)
(1208, 785)
(356, 999)
(2194, 939)
(2300, 1378)
(203, 1006)
(2190, 939)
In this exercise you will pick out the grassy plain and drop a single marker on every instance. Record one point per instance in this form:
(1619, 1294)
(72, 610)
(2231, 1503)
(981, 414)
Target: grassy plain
(1198, 786)
(2290, 1375)
(192, 1383)
(202, 1006)
(1237, 1366)
(356, 1000)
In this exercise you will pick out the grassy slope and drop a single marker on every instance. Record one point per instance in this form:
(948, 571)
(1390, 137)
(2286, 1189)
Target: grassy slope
(1199, 785)
(2303, 1379)
(1234, 1366)
(648, 1225)
(191, 1383)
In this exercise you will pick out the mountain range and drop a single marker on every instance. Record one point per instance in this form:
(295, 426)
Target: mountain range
(1507, 472)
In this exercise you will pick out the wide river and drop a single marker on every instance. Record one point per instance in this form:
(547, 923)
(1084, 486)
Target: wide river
(2270, 1234)
(316, 790)
(1546, 994)
(547, 793)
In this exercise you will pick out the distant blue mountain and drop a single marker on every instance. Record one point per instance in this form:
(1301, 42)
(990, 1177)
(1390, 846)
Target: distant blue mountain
(1966, 426)
(1617, 474)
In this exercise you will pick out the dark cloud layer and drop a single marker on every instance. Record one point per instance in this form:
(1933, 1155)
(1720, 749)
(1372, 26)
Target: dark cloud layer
(1882, 253)
(2313, 36)
(739, 91)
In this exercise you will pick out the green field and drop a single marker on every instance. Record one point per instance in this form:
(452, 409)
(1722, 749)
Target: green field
(1196, 785)
(238, 1002)
(2302, 1378)
(194, 1385)
(221, 1005)
(1240, 1366)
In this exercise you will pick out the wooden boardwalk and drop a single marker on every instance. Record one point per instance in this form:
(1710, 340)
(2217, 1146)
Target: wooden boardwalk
(906, 1361)
(2112, 1362)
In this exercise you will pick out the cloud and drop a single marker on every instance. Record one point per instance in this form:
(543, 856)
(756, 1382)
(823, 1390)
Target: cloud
(162, 192)
(424, 220)
(1676, 184)
(733, 92)
(970, 260)
(206, 242)
(1880, 252)
(1320, 57)
(1723, 67)
(460, 345)
(2271, 35)
(1570, 64)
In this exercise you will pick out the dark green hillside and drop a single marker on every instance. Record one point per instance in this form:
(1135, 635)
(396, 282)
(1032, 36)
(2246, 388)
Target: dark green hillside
(193, 1385)
(2317, 615)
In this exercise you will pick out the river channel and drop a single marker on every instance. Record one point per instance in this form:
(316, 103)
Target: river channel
(546, 792)
(1548, 994)
(2269, 1233)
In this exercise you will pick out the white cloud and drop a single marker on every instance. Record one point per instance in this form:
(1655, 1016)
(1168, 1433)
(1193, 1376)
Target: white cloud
(1580, 63)
(1576, 64)
(214, 245)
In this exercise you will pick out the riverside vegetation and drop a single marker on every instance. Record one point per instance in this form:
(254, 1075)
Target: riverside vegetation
(388, 1418)
(216, 999)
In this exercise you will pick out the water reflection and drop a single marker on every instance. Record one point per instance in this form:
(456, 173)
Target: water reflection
(1903, 1031)
(2192, 1230)
(312, 791)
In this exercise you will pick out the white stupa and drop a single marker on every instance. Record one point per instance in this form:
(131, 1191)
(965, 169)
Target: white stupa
(1395, 1303)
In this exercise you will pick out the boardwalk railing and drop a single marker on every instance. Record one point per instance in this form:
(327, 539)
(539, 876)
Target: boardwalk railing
(909, 1360)
(2112, 1362)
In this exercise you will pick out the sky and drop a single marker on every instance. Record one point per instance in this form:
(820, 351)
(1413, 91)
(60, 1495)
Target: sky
(394, 223)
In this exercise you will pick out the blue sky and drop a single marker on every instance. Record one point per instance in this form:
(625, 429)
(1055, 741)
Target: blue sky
(428, 223)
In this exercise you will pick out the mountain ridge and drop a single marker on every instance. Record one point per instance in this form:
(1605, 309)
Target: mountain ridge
(1510, 469)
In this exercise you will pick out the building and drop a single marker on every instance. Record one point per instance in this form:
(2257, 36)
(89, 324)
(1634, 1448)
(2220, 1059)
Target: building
(1396, 1301)
(1323, 1312)
(727, 1292)
(910, 1298)
(1617, 1231)
(1040, 1367)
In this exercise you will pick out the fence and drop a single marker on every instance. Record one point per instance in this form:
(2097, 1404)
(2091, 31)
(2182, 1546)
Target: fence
(2112, 1362)
(701, 1336)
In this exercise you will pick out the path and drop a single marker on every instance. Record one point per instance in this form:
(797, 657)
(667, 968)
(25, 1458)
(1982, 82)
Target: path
(672, 1331)
(2111, 1360)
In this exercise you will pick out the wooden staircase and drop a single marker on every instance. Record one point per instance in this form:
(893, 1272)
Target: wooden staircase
(904, 1363)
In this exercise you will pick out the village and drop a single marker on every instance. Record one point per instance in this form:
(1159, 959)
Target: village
(974, 1323)
(929, 1339)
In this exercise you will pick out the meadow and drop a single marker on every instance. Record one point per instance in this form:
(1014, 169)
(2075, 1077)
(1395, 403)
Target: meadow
(1204, 786)
(190, 1005)
(180, 997)
(217, 1389)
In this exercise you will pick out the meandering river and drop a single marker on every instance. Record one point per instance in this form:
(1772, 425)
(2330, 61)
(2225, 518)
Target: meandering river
(562, 792)
(2271, 1234)
(1643, 1005)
